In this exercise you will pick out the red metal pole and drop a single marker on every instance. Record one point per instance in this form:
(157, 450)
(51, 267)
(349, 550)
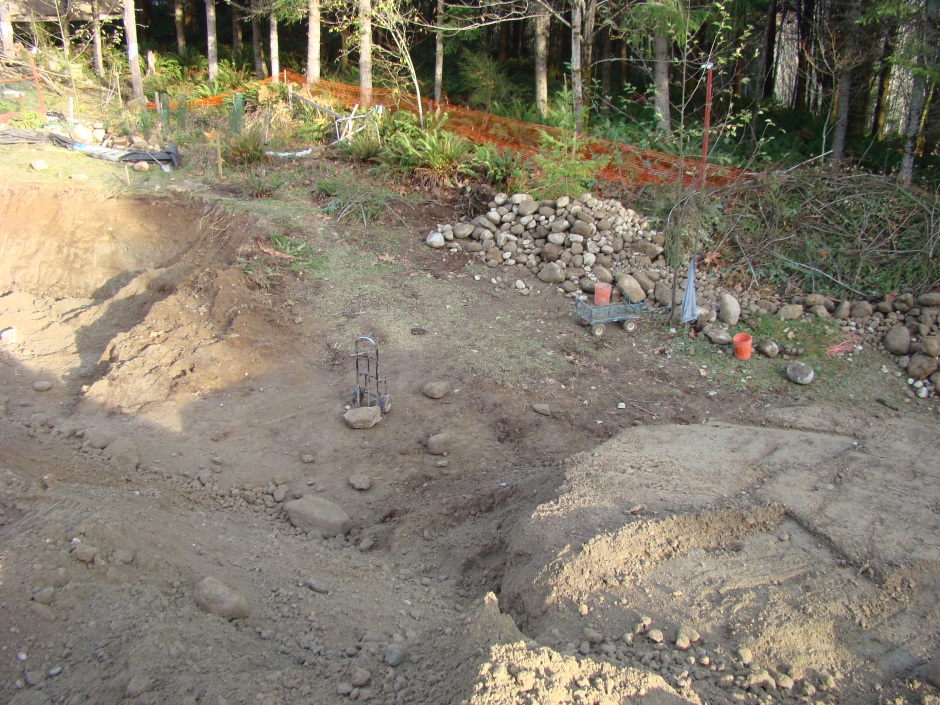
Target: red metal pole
(708, 115)
(42, 103)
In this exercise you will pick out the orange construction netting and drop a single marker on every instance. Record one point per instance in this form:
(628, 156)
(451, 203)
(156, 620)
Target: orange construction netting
(625, 164)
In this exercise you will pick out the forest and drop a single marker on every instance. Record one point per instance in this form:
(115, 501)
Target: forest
(840, 82)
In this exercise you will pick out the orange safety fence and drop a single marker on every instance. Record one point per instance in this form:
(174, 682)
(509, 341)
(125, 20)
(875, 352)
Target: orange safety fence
(625, 164)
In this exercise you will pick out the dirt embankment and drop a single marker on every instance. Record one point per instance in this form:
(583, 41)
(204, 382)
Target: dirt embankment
(575, 557)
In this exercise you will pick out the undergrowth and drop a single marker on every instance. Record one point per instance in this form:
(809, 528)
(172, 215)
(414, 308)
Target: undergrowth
(852, 234)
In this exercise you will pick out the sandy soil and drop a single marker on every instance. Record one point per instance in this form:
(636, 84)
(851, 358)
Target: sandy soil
(708, 543)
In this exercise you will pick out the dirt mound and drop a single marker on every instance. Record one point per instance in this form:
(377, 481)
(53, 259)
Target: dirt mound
(741, 537)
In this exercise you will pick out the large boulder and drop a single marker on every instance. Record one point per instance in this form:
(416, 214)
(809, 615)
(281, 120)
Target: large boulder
(316, 515)
(552, 273)
(527, 206)
(603, 275)
(930, 346)
(363, 416)
(729, 310)
(921, 366)
(898, 340)
(790, 312)
(929, 300)
(631, 288)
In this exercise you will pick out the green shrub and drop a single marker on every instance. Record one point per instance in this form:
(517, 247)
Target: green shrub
(246, 148)
(565, 168)
(499, 167)
(364, 146)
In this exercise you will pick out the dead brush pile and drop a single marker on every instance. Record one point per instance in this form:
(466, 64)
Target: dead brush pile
(825, 231)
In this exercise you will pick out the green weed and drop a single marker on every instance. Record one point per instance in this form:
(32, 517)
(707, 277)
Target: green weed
(246, 148)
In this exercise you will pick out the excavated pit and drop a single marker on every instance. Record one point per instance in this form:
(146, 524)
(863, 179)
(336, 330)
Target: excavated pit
(77, 243)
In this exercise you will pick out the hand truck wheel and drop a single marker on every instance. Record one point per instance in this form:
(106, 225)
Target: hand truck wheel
(598, 330)
(631, 325)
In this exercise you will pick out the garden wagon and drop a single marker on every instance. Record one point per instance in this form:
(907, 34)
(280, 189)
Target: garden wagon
(597, 316)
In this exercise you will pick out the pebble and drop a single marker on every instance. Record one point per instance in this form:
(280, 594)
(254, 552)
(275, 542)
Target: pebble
(138, 685)
(395, 654)
(439, 443)
(141, 166)
(360, 481)
(435, 390)
(41, 385)
(745, 655)
(215, 597)
(316, 586)
(800, 373)
(39, 165)
(306, 458)
(542, 409)
(593, 636)
(655, 635)
(84, 552)
(360, 677)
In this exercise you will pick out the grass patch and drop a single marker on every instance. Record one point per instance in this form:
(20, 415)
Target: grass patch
(356, 201)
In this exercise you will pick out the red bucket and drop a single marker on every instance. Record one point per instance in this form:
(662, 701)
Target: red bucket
(602, 293)
(742, 346)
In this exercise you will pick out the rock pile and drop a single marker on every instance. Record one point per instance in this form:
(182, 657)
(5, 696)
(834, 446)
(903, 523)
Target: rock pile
(569, 242)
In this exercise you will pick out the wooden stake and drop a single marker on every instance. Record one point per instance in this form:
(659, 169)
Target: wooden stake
(127, 174)
(218, 152)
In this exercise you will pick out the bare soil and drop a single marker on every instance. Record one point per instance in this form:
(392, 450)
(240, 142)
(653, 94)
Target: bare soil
(790, 534)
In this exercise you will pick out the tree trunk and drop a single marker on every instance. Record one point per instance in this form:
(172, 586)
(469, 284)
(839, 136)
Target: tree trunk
(313, 41)
(915, 112)
(178, 20)
(805, 29)
(577, 87)
(439, 54)
(861, 44)
(931, 123)
(845, 88)
(542, 21)
(212, 53)
(862, 80)
(661, 82)
(587, 52)
(920, 93)
(275, 51)
(237, 38)
(884, 84)
(505, 41)
(607, 65)
(843, 101)
(65, 37)
(768, 78)
(133, 50)
(365, 52)
(260, 70)
(6, 29)
(97, 58)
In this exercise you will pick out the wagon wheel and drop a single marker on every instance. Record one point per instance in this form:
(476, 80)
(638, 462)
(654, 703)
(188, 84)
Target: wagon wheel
(630, 325)
(598, 330)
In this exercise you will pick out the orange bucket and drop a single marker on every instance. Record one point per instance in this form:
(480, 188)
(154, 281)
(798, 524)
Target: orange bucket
(602, 293)
(742, 346)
